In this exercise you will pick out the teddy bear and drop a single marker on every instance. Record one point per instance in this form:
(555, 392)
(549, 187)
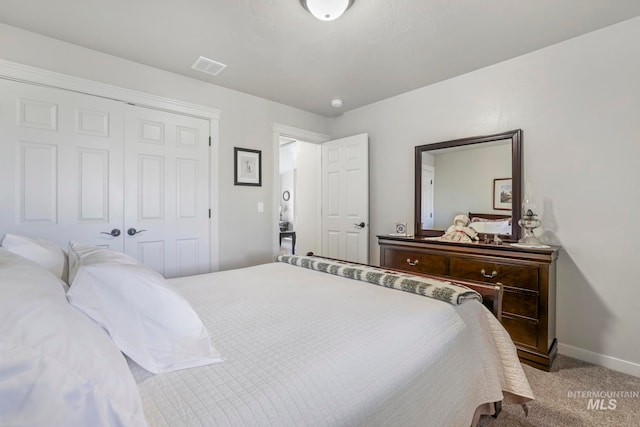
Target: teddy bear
(459, 232)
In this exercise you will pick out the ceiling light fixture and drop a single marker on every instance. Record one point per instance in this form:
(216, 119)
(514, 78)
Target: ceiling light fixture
(336, 103)
(326, 10)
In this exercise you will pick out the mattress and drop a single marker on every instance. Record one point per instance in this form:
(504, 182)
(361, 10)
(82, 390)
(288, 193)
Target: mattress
(306, 348)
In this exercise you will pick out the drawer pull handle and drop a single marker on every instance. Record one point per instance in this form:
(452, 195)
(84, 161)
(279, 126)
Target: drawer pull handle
(489, 276)
(412, 264)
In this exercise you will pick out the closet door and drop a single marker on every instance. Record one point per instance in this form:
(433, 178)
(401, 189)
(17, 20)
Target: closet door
(61, 165)
(166, 182)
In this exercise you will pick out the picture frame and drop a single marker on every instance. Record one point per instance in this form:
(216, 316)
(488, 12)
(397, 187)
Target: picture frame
(502, 194)
(401, 228)
(247, 168)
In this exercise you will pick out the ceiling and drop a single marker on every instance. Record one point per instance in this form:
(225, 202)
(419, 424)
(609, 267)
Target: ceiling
(276, 50)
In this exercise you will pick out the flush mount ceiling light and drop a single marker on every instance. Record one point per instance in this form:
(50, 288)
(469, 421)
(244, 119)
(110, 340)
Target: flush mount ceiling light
(326, 10)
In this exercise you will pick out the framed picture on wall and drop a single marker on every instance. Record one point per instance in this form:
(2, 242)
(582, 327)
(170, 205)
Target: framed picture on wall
(247, 166)
(502, 194)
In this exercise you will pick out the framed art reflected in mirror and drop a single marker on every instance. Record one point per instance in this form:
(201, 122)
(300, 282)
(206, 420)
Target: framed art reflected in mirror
(502, 194)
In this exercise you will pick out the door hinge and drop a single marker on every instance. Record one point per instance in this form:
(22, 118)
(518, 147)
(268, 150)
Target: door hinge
(209, 213)
(209, 141)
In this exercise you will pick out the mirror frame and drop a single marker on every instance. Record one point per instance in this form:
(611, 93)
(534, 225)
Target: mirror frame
(516, 175)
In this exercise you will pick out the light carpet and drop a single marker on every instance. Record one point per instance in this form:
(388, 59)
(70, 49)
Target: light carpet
(575, 393)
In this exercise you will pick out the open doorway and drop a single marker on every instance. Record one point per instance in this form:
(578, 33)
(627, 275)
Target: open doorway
(299, 196)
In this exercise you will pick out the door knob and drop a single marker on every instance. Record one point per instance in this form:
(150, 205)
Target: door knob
(115, 232)
(132, 231)
(361, 225)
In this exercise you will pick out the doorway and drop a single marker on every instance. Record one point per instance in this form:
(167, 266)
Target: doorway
(299, 200)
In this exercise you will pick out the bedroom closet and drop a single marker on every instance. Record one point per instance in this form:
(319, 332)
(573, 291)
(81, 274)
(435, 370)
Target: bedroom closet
(104, 172)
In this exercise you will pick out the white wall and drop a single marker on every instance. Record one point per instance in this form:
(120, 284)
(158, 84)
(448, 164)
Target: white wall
(246, 236)
(578, 104)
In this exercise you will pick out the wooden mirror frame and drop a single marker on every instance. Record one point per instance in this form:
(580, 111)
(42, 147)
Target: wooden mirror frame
(516, 175)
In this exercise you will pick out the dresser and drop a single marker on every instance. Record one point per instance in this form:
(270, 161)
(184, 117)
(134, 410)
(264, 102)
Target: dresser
(528, 277)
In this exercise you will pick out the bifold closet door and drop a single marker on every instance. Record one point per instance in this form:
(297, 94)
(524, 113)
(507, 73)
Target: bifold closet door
(61, 166)
(79, 167)
(166, 186)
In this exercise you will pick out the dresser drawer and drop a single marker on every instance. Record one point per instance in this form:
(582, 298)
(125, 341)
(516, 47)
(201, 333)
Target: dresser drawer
(528, 277)
(521, 331)
(411, 260)
(515, 275)
(520, 302)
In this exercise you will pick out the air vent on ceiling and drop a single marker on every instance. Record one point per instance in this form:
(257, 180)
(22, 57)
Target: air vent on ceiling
(208, 66)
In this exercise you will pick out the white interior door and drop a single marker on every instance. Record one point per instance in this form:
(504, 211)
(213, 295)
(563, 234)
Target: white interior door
(345, 198)
(426, 200)
(167, 191)
(60, 165)
(77, 167)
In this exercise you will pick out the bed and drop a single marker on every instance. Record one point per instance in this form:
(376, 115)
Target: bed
(490, 223)
(304, 344)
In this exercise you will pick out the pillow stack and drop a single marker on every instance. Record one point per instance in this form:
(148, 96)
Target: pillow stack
(61, 360)
(144, 315)
(57, 367)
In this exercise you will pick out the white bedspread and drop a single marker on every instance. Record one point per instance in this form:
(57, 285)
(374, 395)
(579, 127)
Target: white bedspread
(305, 348)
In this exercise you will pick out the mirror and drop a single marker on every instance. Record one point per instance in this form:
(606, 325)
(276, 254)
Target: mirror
(478, 176)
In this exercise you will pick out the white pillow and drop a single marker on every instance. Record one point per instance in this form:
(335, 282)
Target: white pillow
(144, 315)
(57, 367)
(42, 252)
(94, 255)
(492, 227)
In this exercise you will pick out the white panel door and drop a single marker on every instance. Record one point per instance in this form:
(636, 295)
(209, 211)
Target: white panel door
(426, 199)
(345, 198)
(60, 165)
(167, 191)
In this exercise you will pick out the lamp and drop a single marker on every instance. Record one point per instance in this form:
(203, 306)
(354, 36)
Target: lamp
(326, 10)
(529, 220)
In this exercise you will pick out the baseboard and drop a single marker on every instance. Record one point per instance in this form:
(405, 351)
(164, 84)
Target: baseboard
(609, 362)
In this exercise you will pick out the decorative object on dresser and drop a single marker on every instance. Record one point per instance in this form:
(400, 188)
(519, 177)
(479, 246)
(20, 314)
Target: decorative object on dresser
(459, 231)
(528, 277)
(529, 221)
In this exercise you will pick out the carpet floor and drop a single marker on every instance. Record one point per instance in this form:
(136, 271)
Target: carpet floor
(575, 393)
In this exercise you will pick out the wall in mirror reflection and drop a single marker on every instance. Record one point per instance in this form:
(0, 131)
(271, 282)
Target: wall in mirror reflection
(462, 181)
